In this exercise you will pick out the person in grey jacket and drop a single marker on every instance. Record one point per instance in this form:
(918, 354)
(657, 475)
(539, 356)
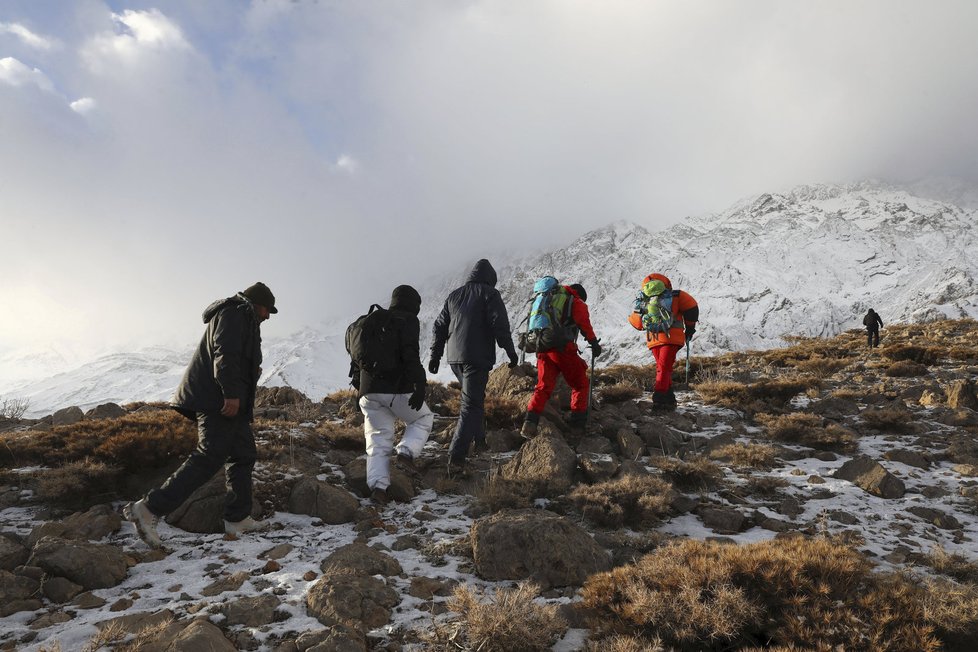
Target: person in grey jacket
(472, 323)
(218, 392)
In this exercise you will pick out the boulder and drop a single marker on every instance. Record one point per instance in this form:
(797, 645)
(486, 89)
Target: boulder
(723, 521)
(834, 408)
(324, 501)
(92, 565)
(503, 441)
(631, 445)
(401, 487)
(547, 460)
(67, 416)
(867, 473)
(279, 396)
(941, 519)
(908, 457)
(360, 602)
(598, 468)
(203, 512)
(12, 553)
(967, 470)
(599, 445)
(962, 395)
(134, 623)
(17, 593)
(360, 558)
(200, 634)
(60, 590)
(515, 383)
(97, 523)
(537, 545)
(231, 582)
(106, 411)
(252, 612)
(338, 638)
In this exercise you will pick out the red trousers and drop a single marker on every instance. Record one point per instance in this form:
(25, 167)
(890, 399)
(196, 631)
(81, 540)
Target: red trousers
(665, 359)
(549, 365)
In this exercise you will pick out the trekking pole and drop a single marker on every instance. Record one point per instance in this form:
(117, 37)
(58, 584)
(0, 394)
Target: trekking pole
(687, 364)
(590, 395)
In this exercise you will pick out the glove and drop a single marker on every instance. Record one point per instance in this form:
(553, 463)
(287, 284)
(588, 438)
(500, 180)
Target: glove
(689, 333)
(595, 347)
(417, 398)
(433, 366)
(513, 359)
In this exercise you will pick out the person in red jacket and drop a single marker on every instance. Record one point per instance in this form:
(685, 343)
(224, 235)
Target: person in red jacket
(565, 361)
(664, 337)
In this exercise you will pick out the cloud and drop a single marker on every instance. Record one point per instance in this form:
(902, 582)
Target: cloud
(83, 105)
(16, 73)
(137, 34)
(28, 37)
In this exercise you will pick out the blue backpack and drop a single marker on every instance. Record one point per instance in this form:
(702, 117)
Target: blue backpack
(549, 325)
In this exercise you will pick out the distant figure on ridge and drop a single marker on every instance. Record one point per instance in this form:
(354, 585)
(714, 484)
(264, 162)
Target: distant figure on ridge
(218, 392)
(558, 314)
(472, 322)
(873, 323)
(386, 371)
(668, 318)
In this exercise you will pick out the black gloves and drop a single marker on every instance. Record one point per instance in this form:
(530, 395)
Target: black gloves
(513, 359)
(595, 347)
(433, 365)
(690, 331)
(417, 398)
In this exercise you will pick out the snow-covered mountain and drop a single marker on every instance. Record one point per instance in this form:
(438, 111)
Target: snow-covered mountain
(808, 262)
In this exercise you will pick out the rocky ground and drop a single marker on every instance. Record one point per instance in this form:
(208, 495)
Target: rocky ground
(875, 450)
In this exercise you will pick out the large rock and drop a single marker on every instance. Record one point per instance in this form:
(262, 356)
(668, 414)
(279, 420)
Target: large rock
(17, 593)
(401, 488)
(60, 590)
(941, 519)
(722, 521)
(252, 612)
(962, 395)
(106, 411)
(12, 553)
(908, 457)
(357, 601)
(867, 473)
(362, 559)
(324, 501)
(547, 460)
(203, 512)
(629, 444)
(537, 545)
(92, 565)
(198, 635)
(515, 383)
(67, 416)
(97, 523)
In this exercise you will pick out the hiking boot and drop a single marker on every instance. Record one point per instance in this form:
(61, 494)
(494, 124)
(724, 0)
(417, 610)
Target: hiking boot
(247, 524)
(530, 425)
(145, 521)
(379, 497)
(577, 424)
(456, 470)
(406, 462)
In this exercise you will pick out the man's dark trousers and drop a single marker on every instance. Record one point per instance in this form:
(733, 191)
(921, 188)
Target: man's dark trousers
(472, 415)
(873, 337)
(219, 440)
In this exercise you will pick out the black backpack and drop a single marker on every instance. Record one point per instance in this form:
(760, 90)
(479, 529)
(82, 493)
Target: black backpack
(371, 341)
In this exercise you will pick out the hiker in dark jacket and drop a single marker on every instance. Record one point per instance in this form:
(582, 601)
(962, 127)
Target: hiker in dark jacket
(395, 395)
(472, 322)
(873, 323)
(218, 392)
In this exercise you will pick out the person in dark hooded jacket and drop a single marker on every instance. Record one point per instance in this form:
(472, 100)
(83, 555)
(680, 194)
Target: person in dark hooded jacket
(472, 323)
(218, 392)
(873, 323)
(398, 394)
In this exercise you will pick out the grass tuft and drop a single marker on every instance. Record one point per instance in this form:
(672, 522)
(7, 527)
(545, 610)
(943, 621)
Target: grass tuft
(637, 501)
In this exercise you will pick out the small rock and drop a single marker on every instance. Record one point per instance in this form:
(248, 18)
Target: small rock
(310, 575)
(271, 566)
(278, 552)
(47, 620)
(941, 519)
(60, 590)
(226, 583)
(870, 475)
(88, 600)
(252, 612)
(722, 521)
(121, 604)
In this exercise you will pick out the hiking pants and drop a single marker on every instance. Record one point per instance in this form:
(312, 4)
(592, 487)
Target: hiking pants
(379, 412)
(549, 365)
(873, 337)
(219, 439)
(665, 359)
(472, 416)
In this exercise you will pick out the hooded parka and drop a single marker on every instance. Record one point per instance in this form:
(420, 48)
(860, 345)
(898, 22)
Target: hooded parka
(404, 308)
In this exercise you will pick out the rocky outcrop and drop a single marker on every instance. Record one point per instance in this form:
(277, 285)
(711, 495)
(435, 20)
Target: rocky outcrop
(18, 593)
(330, 504)
(106, 411)
(537, 545)
(12, 553)
(360, 558)
(870, 475)
(546, 459)
(91, 565)
(962, 395)
(92, 525)
(251, 612)
(67, 416)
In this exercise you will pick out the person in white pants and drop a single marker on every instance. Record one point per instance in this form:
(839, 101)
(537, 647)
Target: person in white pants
(379, 412)
(386, 370)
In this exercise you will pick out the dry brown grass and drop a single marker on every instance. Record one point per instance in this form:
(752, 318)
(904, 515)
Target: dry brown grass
(964, 353)
(756, 456)
(692, 474)
(79, 483)
(808, 430)
(760, 396)
(628, 374)
(637, 501)
(504, 413)
(785, 592)
(889, 418)
(133, 442)
(502, 493)
(623, 643)
(342, 435)
(765, 485)
(507, 620)
(820, 367)
(906, 369)
(619, 393)
(915, 353)
(953, 565)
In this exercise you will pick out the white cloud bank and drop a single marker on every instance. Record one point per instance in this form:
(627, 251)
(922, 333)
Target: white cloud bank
(28, 37)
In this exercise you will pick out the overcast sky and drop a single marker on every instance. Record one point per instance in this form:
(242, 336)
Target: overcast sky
(157, 155)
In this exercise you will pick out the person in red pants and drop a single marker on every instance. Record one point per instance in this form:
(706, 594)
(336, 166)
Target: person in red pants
(668, 318)
(568, 362)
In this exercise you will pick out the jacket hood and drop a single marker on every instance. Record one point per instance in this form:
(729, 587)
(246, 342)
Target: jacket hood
(406, 299)
(218, 305)
(658, 277)
(483, 272)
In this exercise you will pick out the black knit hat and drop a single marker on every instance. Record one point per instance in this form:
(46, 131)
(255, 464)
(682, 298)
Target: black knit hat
(581, 292)
(260, 294)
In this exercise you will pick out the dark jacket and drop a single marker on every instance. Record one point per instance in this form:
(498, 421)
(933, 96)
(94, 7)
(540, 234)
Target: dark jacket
(872, 320)
(226, 362)
(404, 308)
(473, 319)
